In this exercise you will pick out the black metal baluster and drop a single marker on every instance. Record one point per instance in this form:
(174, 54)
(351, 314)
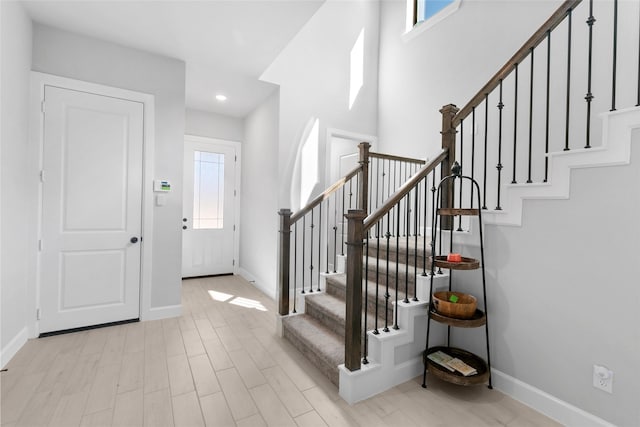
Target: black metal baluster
(365, 337)
(486, 136)
(433, 223)
(568, 109)
(304, 247)
(461, 164)
(515, 125)
(377, 182)
(387, 235)
(590, 21)
(320, 245)
(416, 215)
(382, 189)
(546, 126)
(358, 178)
(398, 251)
(407, 226)
(342, 221)
(375, 328)
(395, 172)
(295, 263)
(312, 226)
(529, 181)
(351, 190)
(615, 55)
(473, 149)
(424, 234)
(327, 239)
(499, 165)
(335, 232)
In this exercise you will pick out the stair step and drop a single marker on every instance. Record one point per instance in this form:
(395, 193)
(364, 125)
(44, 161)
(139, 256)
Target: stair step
(330, 311)
(417, 253)
(405, 273)
(337, 286)
(323, 347)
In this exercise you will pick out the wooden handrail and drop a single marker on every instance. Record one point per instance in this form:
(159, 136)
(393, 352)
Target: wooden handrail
(376, 216)
(396, 158)
(537, 37)
(325, 194)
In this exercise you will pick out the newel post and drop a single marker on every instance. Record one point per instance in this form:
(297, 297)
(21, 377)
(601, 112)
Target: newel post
(363, 198)
(353, 332)
(448, 143)
(284, 252)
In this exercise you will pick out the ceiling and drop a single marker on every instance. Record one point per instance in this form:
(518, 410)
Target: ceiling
(226, 44)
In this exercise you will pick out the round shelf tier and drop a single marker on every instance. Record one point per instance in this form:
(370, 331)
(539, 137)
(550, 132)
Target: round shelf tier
(456, 377)
(464, 264)
(478, 319)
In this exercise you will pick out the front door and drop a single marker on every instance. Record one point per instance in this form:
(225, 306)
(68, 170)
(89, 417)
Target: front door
(91, 209)
(208, 241)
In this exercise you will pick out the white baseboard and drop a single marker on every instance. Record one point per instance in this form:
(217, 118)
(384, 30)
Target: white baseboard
(157, 313)
(10, 350)
(258, 283)
(545, 403)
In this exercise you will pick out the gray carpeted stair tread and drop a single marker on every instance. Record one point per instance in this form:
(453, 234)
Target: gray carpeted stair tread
(323, 347)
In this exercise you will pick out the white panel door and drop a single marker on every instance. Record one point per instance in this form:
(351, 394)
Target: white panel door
(91, 209)
(208, 209)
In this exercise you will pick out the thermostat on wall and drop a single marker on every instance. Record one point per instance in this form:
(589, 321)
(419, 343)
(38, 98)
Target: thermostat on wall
(161, 185)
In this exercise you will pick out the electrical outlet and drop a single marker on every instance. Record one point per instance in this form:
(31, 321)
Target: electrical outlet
(603, 378)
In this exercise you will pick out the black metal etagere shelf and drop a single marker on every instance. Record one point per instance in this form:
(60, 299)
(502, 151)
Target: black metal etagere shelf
(479, 318)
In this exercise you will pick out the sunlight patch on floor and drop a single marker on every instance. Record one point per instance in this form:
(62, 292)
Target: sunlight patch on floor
(239, 301)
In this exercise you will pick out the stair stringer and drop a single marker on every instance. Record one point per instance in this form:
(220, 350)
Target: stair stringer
(615, 150)
(395, 356)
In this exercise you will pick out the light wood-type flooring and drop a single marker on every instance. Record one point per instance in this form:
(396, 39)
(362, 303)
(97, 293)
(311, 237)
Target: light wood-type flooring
(220, 364)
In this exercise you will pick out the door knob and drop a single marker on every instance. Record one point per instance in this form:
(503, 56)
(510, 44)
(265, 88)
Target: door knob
(134, 240)
(184, 227)
(184, 219)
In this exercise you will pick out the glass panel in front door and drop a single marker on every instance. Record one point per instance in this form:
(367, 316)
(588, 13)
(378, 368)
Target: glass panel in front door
(208, 190)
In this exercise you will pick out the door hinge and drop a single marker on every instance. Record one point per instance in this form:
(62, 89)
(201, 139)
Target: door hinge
(40, 245)
(41, 176)
(234, 227)
(235, 158)
(42, 106)
(37, 314)
(233, 262)
(234, 193)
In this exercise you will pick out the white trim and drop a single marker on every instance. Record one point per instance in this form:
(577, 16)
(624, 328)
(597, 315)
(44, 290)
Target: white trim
(258, 283)
(413, 31)
(13, 346)
(238, 169)
(340, 133)
(615, 150)
(545, 403)
(157, 313)
(38, 82)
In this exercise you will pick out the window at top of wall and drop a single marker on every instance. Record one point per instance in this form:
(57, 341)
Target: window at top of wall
(426, 9)
(424, 14)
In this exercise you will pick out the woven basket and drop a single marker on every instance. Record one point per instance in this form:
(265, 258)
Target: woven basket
(463, 309)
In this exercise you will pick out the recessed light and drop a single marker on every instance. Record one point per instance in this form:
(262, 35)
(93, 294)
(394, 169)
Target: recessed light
(221, 97)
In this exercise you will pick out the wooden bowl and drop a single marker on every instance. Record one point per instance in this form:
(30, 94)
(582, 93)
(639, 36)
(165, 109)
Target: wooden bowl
(465, 308)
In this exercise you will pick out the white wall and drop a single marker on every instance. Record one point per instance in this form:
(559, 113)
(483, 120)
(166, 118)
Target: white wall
(212, 125)
(17, 197)
(446, 64)
(259, 219)
(313, 72)
(71, 55)
(564, 292)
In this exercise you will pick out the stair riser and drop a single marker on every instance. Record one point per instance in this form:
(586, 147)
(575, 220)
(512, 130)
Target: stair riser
(402, 255)
(336, 325)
